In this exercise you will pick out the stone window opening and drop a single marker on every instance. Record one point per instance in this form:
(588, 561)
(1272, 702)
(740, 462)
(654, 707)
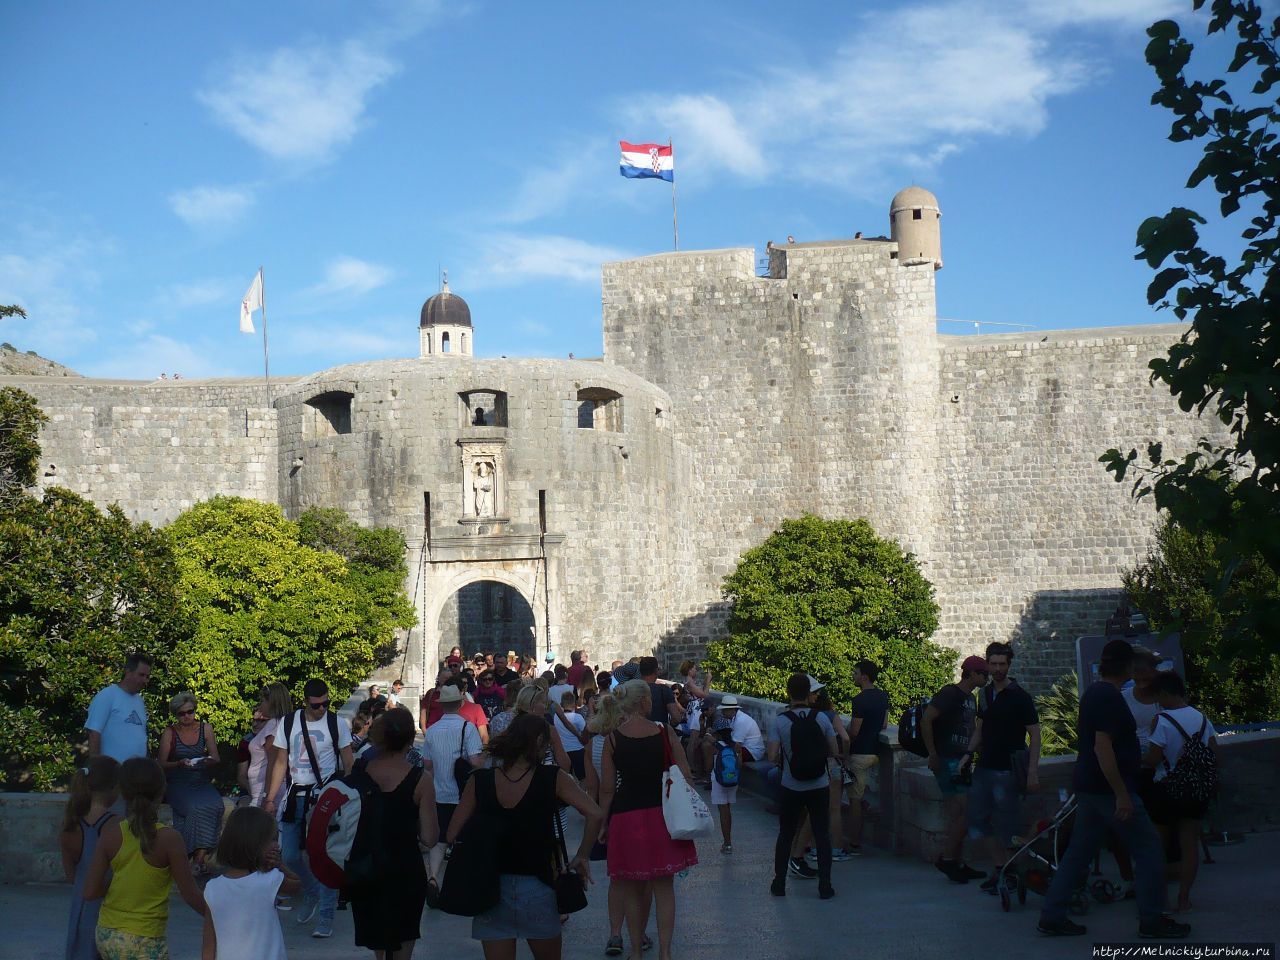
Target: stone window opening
(599, 409)
(444, 342)
(660, 418)
(462, 342)
(917, 214)
(483, 408)
(330, 414)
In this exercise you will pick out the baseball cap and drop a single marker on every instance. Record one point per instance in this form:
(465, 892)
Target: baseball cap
(974, 663)
(449, 694)
(729, 702)
(814, 683)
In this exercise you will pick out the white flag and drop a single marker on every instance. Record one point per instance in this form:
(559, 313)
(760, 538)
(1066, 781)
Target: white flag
(252, 301)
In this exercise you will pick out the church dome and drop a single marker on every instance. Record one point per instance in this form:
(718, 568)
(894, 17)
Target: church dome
(445, 309)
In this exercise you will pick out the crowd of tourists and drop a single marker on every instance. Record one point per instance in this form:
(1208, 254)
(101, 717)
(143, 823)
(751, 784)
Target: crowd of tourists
(504, 753)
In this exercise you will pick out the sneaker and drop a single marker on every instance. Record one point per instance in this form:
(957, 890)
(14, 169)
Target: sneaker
(798, 868)
(308, 912)
(726, 848)
(968, 872)
(826, 893)
(951, 869)
(1061, 928)
(323, 930)
(840, 855)
(613, 948)
(1163, 928)
(778, 888)
(284, 904)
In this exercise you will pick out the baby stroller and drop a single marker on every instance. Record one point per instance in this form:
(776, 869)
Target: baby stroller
(1033, 864)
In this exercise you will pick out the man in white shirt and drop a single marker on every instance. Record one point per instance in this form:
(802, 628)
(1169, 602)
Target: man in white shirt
(448, 740)
(745, 732)
(117, 721)
(306, 755)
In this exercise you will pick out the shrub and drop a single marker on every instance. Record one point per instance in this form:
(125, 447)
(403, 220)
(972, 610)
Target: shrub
(819, 595)
(1059, 711)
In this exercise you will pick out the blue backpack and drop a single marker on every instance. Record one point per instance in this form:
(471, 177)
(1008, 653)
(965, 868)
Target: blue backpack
(725, 766)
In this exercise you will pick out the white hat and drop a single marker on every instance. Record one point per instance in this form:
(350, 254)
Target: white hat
(814, 684)
(449, 694)
(729, 702)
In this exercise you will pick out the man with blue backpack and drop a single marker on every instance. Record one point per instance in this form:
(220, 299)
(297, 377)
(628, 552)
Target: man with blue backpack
(726, 770)
(800, 743)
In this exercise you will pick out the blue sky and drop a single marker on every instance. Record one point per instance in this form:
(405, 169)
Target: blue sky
(158, 153)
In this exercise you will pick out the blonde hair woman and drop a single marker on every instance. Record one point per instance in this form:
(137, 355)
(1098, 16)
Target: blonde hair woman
(533, 700)
(642, 855)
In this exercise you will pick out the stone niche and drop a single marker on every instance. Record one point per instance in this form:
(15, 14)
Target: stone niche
(484, 481)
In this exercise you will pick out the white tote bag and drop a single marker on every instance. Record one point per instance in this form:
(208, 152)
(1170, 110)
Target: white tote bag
(686, 816)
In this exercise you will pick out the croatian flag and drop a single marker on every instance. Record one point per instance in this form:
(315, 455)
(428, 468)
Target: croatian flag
(647, 160)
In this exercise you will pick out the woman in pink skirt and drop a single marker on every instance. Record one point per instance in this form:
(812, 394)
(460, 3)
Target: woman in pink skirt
(643, 859)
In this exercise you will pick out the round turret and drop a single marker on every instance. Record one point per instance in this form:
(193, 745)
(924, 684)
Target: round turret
(915, 226)
(444, 327)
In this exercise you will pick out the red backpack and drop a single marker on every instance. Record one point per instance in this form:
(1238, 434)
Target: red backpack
(342, 843)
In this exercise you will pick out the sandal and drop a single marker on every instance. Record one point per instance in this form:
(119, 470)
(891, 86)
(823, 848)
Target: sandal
(613, 947)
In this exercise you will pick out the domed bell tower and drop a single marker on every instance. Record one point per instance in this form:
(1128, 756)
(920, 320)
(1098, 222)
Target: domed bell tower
(445, 325)
(915, 225)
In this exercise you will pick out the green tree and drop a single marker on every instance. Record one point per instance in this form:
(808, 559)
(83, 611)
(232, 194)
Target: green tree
(1059, 712)
(819, 595)
(79, 588)
(1180, 587)
(20, 423)
(266, 607)
(376, 571)
(1228, 363)
(8, 310)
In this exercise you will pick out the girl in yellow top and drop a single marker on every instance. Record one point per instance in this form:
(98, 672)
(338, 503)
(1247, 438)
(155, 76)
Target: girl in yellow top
(144, 859)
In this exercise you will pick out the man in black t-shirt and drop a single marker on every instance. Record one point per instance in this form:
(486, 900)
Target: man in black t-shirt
(948, 725)
(501, 675)
(867, 717)
(1005, 766)
(1106, 784)
(665, 709)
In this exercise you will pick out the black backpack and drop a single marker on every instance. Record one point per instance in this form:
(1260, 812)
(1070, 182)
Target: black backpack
(910, 727)
(1193, 780)
(808, 754)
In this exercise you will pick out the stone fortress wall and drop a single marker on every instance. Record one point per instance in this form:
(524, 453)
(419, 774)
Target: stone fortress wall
(614, 496)
(156, 448)
(823, 387)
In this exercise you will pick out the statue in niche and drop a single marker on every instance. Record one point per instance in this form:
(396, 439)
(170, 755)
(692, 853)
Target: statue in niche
(478, 420)
(482, 488)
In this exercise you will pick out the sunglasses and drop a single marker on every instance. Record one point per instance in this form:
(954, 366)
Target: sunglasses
(321, 705)
(187, 713)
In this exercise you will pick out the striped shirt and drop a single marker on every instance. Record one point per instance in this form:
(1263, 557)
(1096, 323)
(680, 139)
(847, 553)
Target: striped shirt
(445, 743)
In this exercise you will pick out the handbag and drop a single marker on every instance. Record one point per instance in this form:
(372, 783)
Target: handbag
(471, 883)
(686, 815)
(571, 891)
(462, 768)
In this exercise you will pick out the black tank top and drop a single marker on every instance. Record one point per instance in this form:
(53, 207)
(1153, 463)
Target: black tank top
(528, 825)
(640, 763)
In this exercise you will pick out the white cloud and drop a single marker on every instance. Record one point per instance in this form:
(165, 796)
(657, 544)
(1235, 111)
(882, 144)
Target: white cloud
(905, 90)
(330, 343)
(512, 258)
(150, 356)
(349, 275)
(211, 206)
(199, 293)
(50, 282)
(304, 101)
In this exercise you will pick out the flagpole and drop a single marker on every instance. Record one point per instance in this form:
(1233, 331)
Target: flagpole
(675, 223)
(266, 360)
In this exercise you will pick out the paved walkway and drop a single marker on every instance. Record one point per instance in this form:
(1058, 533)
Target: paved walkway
(886, 907)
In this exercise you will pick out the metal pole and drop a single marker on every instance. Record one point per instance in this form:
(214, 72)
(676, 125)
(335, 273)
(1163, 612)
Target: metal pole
(266, 361)
(675, 223)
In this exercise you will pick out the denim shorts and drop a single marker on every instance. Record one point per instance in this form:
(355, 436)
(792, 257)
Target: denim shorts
(948, 767)
(994, 805)
(526, 910)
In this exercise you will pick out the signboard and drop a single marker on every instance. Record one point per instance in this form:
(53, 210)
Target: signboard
(1167, 647)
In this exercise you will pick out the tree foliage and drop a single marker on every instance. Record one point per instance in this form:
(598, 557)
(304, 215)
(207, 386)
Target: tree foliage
(819, 595)
(266, 607)
(20, 422)
(79, 588)
(1228, 363)
(1180, 586)
(1059, 712)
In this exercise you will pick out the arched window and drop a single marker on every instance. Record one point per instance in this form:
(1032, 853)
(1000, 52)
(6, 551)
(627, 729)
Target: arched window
(483, 408)
(444, 342)
(329, 414)
(462, 344)
(599, 409)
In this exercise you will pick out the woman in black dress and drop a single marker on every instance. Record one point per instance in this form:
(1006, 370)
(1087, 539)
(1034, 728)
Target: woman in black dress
(388, 916)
